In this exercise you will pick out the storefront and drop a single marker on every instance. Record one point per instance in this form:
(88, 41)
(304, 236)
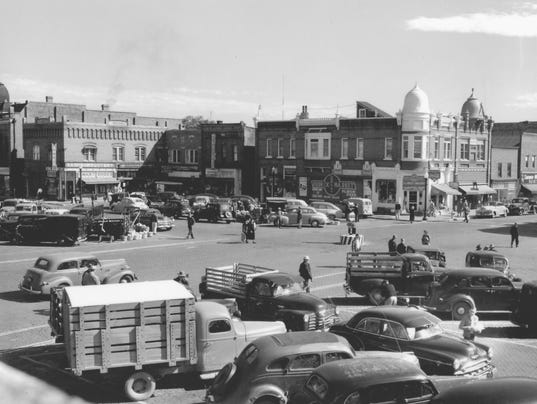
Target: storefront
(529, 190)
(477, 194)
(506, 190)
(442, 195)
(223, 181)
(92, 179)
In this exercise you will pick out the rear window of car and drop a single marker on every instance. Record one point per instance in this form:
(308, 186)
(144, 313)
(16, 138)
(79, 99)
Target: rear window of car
(249, 354)
(41, 263)
(308, 361)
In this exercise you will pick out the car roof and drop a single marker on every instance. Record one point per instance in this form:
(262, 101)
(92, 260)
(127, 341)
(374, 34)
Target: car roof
(348, 375)
(474, 271)
(407, 316)
(60, 257)
(512, 390)
(489, 253)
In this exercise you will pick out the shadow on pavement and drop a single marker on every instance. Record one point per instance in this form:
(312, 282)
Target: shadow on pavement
(19, 297)
(524, 229)
(507, 332)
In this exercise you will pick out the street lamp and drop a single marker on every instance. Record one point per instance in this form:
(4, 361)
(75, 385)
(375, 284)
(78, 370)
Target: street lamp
(425, 177)
(273, 171)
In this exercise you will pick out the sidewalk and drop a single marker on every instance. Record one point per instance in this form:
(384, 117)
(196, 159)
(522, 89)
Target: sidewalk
(419, 218)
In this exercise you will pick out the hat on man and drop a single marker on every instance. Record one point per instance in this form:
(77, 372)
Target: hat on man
(183, 274)
(306, 258)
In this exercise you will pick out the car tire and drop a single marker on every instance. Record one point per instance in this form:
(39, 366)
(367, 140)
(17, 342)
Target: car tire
(222, 379)
(315, 223)
(375, 296)
(459, 309)
(267, 400)
(139, 386)
(126, 279)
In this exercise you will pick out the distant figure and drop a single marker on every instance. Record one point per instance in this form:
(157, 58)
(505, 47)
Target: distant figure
(465, 211)
(305, 272)
(182, 278)
(279, 218)
(411, 213)
(478, 247)
(39, 193)
(514, 234)
(397, 210)
(90, 277)
(250, 230)
(392, 244)
(351, 227)
(425, 239)
(470, 325)
(190, 223)
(356, 212)
(389, 293)
(357, 242)
(299, 217)
(401, 247)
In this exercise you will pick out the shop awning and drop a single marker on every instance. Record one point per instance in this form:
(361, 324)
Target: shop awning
(480, 190)
(168, 183)
(100, 180)
(445, 188)
(4, 170)
(530, 187)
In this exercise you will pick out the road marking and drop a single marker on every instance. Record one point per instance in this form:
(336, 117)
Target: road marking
(3, 334)
(329, 275)
(333, 285)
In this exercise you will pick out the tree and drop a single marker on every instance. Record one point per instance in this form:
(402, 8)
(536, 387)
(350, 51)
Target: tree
(193, 122)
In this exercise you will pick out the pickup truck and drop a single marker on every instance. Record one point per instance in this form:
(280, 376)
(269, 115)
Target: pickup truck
(412, 274)
(268, 294)
(135, 333)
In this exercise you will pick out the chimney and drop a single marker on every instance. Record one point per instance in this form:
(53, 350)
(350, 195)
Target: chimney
(105, 107)
(219, 122)
(49, 99)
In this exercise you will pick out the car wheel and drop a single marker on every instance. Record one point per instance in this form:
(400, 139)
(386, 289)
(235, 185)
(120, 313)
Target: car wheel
(315, 223)
(126, 279)
(140, 386)
(222, 379)
(267, 400)
(332, 217)
(459, 309)
(375, 296)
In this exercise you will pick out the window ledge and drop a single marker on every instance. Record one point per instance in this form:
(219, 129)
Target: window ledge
(358, 158)
(279, 157)
(344, 158)
(292, 157)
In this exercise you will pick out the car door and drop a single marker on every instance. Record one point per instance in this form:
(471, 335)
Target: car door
(366, 334)
(217, 341)
(418, 280)
(70, 270)
(261, 302)
(504, 294)
(480, 289)
(292, 215)
(300, 367)
(392, 337)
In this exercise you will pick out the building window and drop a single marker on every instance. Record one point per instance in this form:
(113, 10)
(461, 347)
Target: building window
(499, 170)
(174, 156)
(118, 153)
(527, 160)
(386, 190)
(405, 147)
(465, 150)
(436, 152)
(533, 161)
(481, 150)
(509, 170)
(318, 146)
(224, 152)
(388, 143)
(89, 153)
(447, 149)
(235, 152)
(292, 147)
(36, 152)
(344, 148)
(192, 156)
(268, 152)
(418, 141)
(139, 153)
(280, 147)
(360, 148)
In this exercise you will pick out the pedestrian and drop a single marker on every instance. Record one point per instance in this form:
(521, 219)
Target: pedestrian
(250, 230)
(411, 213)
(478, 247)
(305, 272)
(389, 293)
(90, 277)
(190, 223)
(514, 234)
(401, 247)
(356, 211)
(392, 244)
(182, 278)
(470, 325)
(465, 210)
(425, 239)
(351, 227)
(244, 230)
(299, 217)
(279, 218)
(397, 210)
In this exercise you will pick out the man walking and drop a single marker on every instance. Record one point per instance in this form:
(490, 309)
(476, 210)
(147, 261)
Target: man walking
(411, 213)
(465, 210)
(425, 239)
(401, 247)
(90, 277)
(305, 272)
(389, 293)
(190, 223)
(514, 235)
(392, 244)
(299, 217)
(397, 210)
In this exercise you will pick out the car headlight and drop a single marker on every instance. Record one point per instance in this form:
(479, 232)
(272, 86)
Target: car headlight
(457, 364)
(489, 353)
(306, 318)
(337, 311)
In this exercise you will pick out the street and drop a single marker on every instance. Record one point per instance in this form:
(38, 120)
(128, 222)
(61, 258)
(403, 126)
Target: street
(24, 319)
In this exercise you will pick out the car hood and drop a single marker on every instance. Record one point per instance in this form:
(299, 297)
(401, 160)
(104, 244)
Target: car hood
(448, 346)
(302, 301)
(251, 330)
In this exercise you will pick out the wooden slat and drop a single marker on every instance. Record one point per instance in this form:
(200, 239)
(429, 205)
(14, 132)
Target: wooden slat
(118, 336)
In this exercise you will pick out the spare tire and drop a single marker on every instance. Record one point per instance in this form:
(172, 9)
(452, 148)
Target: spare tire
(222, 379)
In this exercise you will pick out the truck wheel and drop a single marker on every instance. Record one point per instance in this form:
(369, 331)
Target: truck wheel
(315, 223)
(375, 296)
(126, 279)
(140, 386)
(459, 309)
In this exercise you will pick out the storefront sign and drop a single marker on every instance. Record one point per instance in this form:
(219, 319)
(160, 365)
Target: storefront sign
(413, 181)
(434, 175)
(332, 184)
(52, 172)
(317, 189)
(302, 186)
(184, 174)
(348, 189)
(220, 173)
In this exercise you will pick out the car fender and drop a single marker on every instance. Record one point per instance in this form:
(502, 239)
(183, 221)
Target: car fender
(292, 317)
(268, 390)
(116, 276)
(55, 283)
(366, 285)
(457, 298)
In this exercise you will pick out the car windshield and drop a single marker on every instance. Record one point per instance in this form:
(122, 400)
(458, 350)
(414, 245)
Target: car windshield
(285, 290)
(425, 331)
(42, 263)
(24, 208)
(9, 203)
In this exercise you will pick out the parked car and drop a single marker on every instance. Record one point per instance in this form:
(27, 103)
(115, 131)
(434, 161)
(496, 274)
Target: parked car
(489, 259)
(365, 206)
(90, 212)
(492, 209)
(140, 195)
(66, 269)
(166, 195)
(8, 225)
(310, 217)
(117, 197)
(198, 201)
(519, 206)
(176, 208)
(402, 329)
(273, 203)
(30, 207)
(8, 205)
(128, 204)
(274, 368)
(436, 256)
(524, 310)
(150, 216)
(329, 209)
(215, 211)
(504, 390)
(248, 202)
(60, 229)
(485, 289)
(154, 202)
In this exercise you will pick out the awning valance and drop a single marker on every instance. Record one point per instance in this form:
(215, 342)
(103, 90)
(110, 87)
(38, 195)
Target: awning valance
(444, 188)
(100, 180)
(530, 187)
(480, 190)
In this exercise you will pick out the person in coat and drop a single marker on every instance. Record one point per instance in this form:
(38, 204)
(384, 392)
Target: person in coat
(397, 211)
(250, 230)
(305, 272)
(90, 277)
(392, 244)
(425, 238)
(411, 214)
(299, 217)
(389, 293)
(401, 247)
(190, 223)
(514, 234)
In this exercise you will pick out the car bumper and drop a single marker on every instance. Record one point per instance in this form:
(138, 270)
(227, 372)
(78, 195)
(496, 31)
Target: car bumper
(30, 291)
(486, 372)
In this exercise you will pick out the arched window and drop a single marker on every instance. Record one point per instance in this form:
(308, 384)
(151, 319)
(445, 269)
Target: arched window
(36, 152)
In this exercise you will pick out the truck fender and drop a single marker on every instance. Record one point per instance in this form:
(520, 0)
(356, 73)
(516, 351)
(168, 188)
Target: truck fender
(367, 285)
(268, 390)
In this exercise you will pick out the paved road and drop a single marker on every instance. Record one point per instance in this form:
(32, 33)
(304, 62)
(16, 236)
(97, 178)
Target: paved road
(23, 320)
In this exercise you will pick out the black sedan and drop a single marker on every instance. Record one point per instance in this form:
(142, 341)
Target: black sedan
(403, 329)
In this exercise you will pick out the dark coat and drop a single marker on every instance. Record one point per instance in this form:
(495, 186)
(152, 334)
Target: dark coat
(392, 245)
(305, 270)
(514, 231)
(401, 248)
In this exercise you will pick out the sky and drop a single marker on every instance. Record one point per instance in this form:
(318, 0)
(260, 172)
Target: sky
(233, 60)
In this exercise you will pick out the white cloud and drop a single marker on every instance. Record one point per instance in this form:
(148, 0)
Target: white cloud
(513, 24)
(525, 101)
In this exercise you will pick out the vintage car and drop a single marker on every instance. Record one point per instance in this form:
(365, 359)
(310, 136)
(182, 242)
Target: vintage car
(8, 205)
(8, 225)
(200, 200)
(458, 290)
(503, 390)
(524, 311)
(519, 206)
(166, 195)
(176, 208)
(329, 209)
(310, 217)
(117, 197)
(30, 207)
(402, 329)
(153, 215)
(88, 211)
(436, 256)
(492, 209)
(365, 206)
(64, 229)
(61, 270)
(215, 211)
(128, 204)
(154, 202)
(490, 259)
(276, 367)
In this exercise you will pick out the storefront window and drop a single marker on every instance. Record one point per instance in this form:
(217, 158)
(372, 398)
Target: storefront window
(386, 190)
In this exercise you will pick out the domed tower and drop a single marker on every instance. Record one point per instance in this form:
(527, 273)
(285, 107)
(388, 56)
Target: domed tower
(473, 114)
(4, 99)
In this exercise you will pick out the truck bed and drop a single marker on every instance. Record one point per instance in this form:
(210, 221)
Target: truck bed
(359, 264)
(231, 280)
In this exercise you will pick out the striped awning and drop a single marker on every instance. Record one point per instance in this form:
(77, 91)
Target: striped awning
(444, 188)
(479, 190)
